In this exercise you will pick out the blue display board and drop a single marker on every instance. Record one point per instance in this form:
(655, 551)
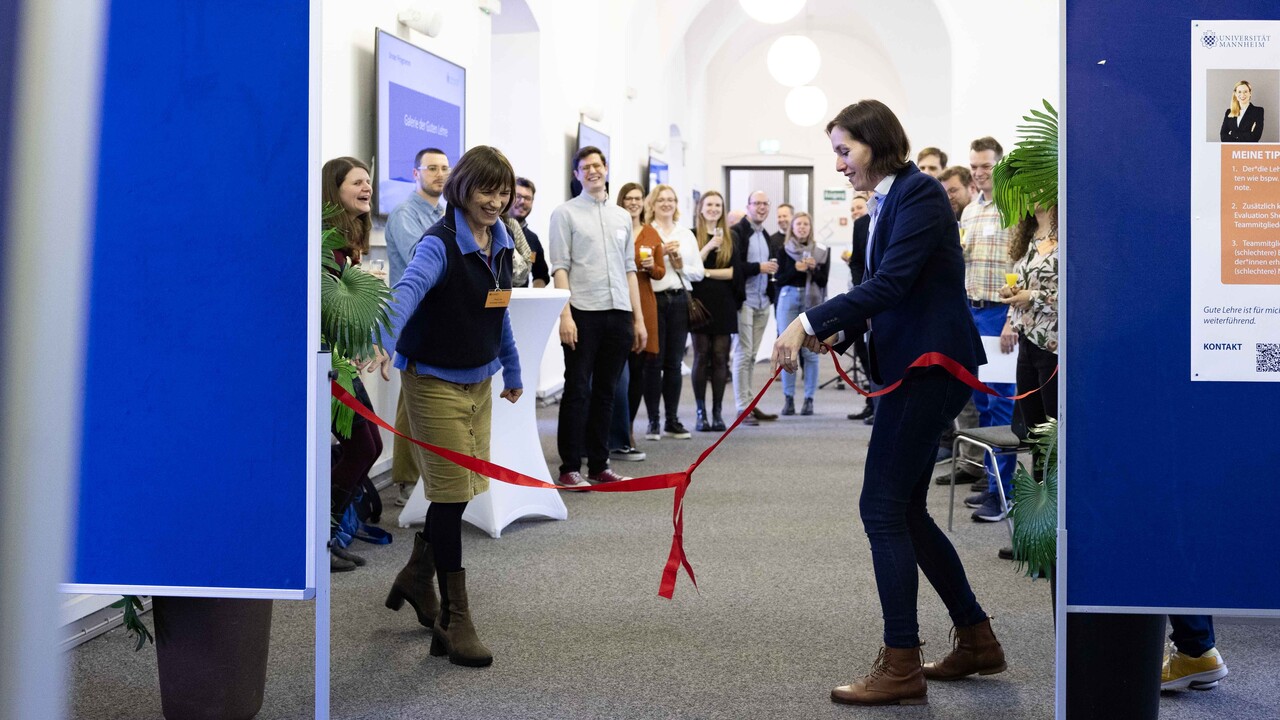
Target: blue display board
(1170, 489)
(194, 466)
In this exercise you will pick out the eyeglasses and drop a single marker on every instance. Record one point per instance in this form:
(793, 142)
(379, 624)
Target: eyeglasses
(759, 203)
(434, 168)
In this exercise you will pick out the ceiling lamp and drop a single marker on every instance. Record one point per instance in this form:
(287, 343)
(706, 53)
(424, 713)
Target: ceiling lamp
(772, 12)
(794, 60)
(806, 105)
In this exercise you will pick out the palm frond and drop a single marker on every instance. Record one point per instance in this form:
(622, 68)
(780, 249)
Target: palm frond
(1035, 509)
(132, 623)
(342, 415)
(353, 304)
(1028, 175)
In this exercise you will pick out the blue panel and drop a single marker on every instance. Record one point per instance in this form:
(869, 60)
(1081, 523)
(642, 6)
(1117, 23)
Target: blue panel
(8, 74)
(195, 422)
(1171, 490)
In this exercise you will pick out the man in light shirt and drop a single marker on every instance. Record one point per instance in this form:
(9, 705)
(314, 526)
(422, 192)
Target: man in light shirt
(593, 257)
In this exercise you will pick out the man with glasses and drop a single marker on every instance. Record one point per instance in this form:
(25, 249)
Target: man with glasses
(751, 248)
(593, 257)
(521, 206)
(405, 227)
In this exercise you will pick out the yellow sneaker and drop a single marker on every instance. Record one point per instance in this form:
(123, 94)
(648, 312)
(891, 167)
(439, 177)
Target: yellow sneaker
(1197, 673)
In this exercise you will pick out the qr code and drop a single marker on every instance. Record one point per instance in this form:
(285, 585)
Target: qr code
(1268, 357)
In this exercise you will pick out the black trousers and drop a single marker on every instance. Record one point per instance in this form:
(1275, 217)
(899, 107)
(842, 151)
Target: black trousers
(662, 376)
(1034, 368)
(591, 371)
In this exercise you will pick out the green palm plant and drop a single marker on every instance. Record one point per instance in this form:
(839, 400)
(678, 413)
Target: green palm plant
(353, 305)
(1035, 505)
(1028, 175)
(1023, 180)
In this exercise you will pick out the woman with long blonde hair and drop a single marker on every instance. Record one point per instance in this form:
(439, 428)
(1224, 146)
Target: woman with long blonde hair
(715, 292)
(1243, 121)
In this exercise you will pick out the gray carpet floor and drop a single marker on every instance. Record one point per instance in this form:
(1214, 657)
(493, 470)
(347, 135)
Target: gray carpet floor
(786, 607)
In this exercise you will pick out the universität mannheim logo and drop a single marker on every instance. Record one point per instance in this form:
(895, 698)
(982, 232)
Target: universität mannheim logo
(1209, 38)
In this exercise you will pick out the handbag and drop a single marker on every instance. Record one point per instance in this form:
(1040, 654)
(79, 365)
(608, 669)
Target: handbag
(699, 315)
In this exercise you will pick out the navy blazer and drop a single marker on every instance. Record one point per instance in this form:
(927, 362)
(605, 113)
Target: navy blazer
(913, 293)
(1249, 128)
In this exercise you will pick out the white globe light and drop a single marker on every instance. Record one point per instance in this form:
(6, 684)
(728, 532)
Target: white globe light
(806, 105)
(772, 12)
(794, 60)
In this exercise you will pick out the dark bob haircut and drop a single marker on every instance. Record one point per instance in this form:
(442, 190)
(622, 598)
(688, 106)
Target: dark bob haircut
(482, 168)
(873, 124)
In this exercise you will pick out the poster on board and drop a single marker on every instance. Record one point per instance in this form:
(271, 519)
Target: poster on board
(1235, 201)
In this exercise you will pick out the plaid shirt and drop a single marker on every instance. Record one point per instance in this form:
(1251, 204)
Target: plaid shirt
(986, 250)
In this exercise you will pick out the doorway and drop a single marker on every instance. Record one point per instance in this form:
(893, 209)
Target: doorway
(792, 185)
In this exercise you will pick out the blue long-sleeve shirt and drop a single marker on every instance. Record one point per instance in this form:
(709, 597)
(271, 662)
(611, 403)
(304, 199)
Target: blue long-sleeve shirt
(425, 270)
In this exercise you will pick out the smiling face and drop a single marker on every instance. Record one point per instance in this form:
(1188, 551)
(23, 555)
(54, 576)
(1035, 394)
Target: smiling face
(784, 218)
(592, 173)
(800, 228)
(712, 209)
(664, 206)
(1243, 93)
(758, 207)
(522, 205)
(633, 203)
(356, 191)
(858, 208)
(853, 160)
(980, 164)
(485, 206)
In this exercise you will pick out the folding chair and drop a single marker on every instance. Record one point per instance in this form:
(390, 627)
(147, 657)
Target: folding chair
(994, 442)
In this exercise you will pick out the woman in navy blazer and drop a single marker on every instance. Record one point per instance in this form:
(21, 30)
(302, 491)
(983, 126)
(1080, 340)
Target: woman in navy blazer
(912, 301)
(1243, 122)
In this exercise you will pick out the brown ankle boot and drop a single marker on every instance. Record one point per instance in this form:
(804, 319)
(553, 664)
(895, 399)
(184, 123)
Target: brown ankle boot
(416, 584)
(975, 650)
(895, 679)
(454, 634)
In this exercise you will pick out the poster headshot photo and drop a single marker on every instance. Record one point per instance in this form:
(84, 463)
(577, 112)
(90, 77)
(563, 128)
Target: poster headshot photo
(1261, 120)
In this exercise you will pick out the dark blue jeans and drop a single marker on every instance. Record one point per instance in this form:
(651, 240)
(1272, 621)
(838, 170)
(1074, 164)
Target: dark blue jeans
(904, 446)
(1192, 634)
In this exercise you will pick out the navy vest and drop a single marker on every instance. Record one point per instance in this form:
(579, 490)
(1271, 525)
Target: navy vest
(451, 327)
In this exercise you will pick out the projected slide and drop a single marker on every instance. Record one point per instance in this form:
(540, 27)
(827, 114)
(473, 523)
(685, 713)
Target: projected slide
(421, 104)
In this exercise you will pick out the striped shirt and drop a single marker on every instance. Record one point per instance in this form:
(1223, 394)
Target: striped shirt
(986, 250)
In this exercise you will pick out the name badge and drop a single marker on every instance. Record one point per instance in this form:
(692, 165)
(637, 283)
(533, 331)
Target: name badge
(620, 234)
(497, 299)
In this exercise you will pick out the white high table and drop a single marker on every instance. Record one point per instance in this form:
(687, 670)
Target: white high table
(535, 313)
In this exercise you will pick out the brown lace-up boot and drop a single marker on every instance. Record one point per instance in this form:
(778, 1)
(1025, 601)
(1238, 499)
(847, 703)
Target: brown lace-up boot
(895, 679)
(416, 584)
(975, 650)
(454, 634)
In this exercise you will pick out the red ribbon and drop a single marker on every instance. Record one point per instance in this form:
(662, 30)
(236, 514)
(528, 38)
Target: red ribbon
(676, 559)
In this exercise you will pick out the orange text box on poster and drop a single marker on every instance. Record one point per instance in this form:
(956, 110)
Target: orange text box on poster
(1250, 214)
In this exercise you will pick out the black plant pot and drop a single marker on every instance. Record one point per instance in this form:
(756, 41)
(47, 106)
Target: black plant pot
(1113, 666)
(212, 656)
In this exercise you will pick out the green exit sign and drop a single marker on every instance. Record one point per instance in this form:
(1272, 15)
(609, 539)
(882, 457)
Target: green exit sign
(837, 195)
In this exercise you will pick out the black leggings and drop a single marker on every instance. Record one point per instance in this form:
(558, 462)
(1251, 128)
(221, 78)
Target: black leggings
(710, 358)
(662, 375)
(444, 532)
